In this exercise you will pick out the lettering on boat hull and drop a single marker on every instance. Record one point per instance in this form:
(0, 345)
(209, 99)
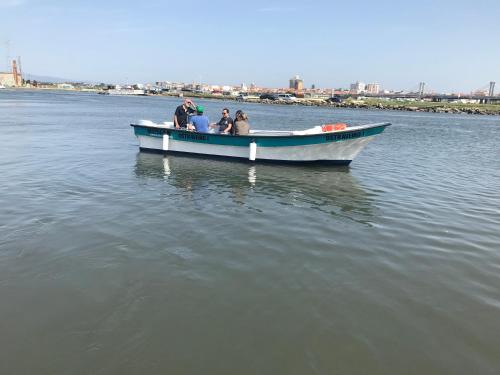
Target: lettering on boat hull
(344, 136)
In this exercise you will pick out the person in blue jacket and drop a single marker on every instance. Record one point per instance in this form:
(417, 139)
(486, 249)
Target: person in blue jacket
(200, 121)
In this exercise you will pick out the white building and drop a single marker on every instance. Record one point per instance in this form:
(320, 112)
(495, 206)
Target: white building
(373, 88)
(358, 88)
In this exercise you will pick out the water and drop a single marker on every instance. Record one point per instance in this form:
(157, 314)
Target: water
(118, 262)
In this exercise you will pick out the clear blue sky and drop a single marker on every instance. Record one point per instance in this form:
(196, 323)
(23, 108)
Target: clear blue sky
(448, 44)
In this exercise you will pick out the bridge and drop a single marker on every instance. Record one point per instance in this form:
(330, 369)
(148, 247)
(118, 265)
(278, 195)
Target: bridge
(489, 98)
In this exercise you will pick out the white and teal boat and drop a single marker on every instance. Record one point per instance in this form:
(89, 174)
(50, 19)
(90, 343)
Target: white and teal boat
(306, 146)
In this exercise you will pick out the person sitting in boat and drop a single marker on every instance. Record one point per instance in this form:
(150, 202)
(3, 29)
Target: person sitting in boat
(182, 112)
(225, 124)
(199, 121)
(241, 126)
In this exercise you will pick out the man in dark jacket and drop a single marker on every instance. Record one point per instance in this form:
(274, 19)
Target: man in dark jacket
(225, 124)
(182, 112)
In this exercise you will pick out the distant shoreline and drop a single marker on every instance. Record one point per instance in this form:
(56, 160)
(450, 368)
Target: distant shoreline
(371, 103)
(378, 104)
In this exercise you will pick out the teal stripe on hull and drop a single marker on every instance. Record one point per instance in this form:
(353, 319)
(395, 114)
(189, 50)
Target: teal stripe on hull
(261, 141)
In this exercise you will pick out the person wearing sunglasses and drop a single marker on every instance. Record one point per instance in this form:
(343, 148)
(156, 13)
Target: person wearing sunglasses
(182, 113)
(225, 124)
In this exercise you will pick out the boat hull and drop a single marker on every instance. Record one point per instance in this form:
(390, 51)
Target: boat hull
(339, 147)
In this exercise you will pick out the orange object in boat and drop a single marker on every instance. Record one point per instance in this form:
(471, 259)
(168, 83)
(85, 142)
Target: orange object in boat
(333, 127)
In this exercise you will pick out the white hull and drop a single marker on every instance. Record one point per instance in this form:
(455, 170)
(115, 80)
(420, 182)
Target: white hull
(346, 150)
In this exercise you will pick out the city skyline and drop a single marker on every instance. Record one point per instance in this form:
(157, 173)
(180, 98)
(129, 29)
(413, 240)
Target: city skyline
(329, 44)
(16, 78)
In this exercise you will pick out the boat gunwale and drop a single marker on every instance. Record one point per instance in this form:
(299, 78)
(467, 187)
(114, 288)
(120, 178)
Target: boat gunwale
(253, 136)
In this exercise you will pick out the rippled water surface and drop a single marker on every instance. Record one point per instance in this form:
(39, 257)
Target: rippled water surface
(114, 261)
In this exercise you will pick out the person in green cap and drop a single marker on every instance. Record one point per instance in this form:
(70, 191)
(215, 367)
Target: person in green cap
(199, 121)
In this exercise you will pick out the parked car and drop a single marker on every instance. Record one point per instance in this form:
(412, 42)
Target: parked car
(246, 96)
(269, 96)
(287, 97)
(334, 99)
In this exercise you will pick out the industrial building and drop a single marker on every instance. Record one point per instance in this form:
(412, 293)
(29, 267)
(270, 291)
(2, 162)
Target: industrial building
(13, 78)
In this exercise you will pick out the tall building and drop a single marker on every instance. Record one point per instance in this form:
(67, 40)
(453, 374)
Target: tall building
(372, 88)
(357, 88)
(296, 83)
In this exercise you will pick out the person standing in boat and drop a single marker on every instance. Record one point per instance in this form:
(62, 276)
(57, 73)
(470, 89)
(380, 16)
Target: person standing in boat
(182, 112)
(241, 126)
(199, 121)
(225, 124)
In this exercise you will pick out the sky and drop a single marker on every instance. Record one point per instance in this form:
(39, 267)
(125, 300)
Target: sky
(450, 45)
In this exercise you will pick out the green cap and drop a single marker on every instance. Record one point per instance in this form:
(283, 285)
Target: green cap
(199, 109)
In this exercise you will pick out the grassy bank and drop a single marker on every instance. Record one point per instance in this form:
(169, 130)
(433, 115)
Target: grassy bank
(418, 106)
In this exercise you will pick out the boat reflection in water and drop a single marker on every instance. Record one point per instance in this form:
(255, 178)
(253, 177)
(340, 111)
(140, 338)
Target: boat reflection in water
(332, 190)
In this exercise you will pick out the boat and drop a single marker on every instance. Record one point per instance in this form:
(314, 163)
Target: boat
(123, 92)
(331, 143)
(2, 87)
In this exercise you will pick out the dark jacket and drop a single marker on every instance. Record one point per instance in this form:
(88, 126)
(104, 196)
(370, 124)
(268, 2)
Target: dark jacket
(224, 123)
